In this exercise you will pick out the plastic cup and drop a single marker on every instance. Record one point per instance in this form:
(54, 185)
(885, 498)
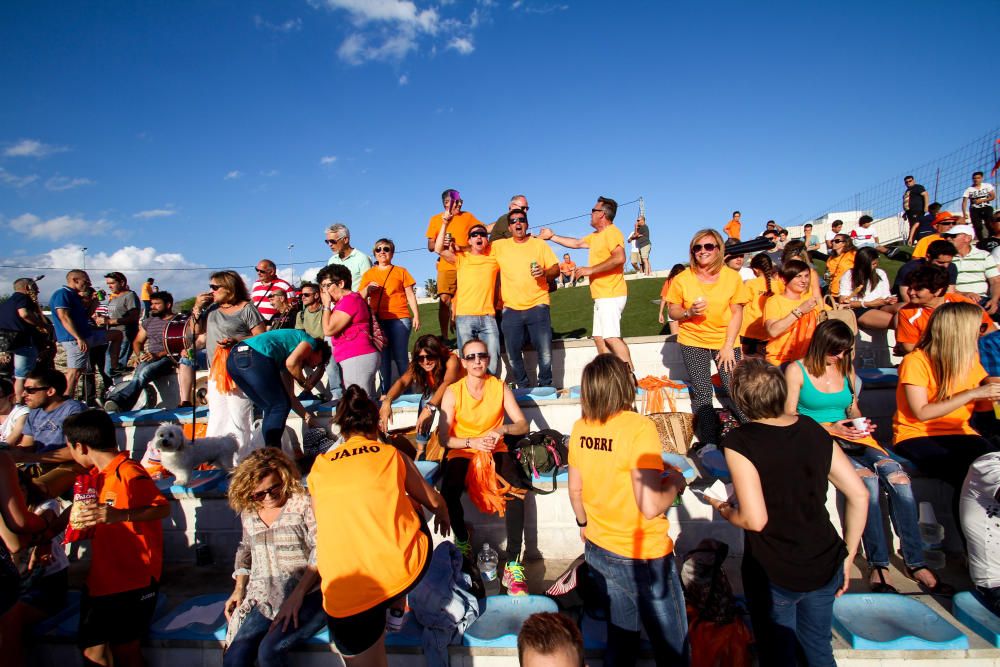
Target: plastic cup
(860, 423)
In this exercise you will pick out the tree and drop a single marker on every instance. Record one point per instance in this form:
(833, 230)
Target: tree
(431, 288)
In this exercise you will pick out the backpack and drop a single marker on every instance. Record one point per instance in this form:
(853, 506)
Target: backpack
(541, 453)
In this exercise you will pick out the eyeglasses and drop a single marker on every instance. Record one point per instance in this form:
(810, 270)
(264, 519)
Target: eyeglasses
(215, 287)
(34, 390)
(514, 221)
(273, 491)
(383, 248)
(473, 235)
(425, 357)
(472, 356)
(305, 294)
(697, 247)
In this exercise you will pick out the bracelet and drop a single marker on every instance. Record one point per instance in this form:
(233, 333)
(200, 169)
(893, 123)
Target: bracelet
(467, 445)
(581, 525)
(797, 313)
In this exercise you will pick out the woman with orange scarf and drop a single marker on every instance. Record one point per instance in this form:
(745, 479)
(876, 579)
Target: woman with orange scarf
(823, 386)
(226, 316)
(473, 432)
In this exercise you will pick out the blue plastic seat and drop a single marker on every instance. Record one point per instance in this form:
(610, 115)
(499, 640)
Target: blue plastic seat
(501, 619)
(875, 378)
(202, 481)
(407, 401)
(888, 622)
(429, 469)
(212, 629)
(680, 462)
(967, 608)
(534, 395)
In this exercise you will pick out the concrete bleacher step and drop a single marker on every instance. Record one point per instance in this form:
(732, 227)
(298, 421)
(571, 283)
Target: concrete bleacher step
(887, 622)
(969, 611)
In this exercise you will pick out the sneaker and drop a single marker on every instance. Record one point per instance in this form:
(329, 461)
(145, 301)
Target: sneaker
(111, 406)
(394, 619)
(513, 579)
(464, 547)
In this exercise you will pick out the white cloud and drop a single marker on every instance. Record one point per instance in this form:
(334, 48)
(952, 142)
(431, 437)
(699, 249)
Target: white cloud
(15, 181)
(269, 173)
(58, 228)
(233, 175)
(155, 213)
(403, 80)
(291, 25)
(32, 148)
(462, 44)
(60, 183)
(328, 159)
(400, 12)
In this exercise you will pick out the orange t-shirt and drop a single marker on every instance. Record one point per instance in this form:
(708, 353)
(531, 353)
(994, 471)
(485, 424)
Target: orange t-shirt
(753, 312)
(477, 280)
(605, 456)
(793, 343)
(519, 290)
(732, 229)
(709, 329)
(920, 250)
(128, 555)
(370, 546)
(393, 283)
(912, 319)
(838, 266)
(916, 370)
(607, 284)
(567, 268)
(459, 227)
(474, 417)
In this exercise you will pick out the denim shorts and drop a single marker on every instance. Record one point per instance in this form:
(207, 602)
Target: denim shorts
(25, 359)
(74, 357)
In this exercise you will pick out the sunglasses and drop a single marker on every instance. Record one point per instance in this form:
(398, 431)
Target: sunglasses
(332, 241)
(706, 246)
(34, 390)
(273, 491)
(305, 294)
(383, 248)
(597, 210)
(262, 270)
(837, 241)
(473, 235)
(514, 221)
(425, 357)
(472, 356)
(214, 287)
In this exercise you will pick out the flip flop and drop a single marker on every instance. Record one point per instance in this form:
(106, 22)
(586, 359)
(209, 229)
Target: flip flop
(567, 580)
(881, 586)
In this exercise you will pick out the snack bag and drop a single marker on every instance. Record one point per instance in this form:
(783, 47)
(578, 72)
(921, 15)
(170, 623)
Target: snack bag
(84, 493)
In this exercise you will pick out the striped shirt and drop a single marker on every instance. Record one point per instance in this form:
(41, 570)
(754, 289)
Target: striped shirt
(974, 270)
(261, 292)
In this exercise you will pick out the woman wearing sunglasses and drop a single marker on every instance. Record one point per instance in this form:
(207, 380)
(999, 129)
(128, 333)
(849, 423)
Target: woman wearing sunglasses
(707, 301)
(226, 316)
(389, 289)
(276, 603)
(822, 387)
(347, 321)
(472, 427)
(840, 261)
(433, 369)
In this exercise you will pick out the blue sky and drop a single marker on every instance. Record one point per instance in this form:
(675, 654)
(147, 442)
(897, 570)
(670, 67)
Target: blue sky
(193, 134)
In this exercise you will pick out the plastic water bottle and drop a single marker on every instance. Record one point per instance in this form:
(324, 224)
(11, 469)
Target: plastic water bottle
(488, 560)
(932, 536)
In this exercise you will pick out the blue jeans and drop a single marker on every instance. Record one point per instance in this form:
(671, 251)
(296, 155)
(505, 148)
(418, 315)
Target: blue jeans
(538, 325)
(397, 334)
(902, 510)
(253, 641)
(127, 393)
(333, 380)
(646, 592)
(483, 327)
(259, 377)
(787, 623)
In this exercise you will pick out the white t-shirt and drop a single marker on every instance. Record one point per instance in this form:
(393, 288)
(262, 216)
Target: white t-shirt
(16, 413)
(881, 291)
(972, 193)
(864, 237)
(746, 273)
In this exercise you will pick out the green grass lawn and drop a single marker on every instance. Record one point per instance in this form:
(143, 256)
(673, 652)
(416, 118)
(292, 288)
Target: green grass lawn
(573, 309)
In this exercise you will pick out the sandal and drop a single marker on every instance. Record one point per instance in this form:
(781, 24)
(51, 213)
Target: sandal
(881, 586)
(939, 588)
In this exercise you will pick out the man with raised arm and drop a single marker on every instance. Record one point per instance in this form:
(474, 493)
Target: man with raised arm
(607, 275)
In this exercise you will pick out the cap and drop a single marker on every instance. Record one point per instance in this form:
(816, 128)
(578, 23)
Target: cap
(962, 229)
(944, 215)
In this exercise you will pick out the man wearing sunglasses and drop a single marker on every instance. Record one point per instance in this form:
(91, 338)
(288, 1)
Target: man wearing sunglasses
(265, 285)
(476, 271)
(458, 223)
(607, 275)
(43, 440)
(338, 239)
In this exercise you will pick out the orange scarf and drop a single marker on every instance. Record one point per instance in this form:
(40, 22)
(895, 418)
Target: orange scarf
(657, 389)
(218, 372)
(487, 489)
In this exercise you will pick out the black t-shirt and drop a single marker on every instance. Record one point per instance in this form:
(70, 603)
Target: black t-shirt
(799, 548)
(11, 321)
(916, 198)
(989, 244)
(910, 267)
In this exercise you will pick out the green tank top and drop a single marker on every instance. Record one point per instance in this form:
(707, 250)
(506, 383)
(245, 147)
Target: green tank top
(822, 406)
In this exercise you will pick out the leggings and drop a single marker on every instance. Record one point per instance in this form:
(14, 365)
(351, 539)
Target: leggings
(698, 362)
(453, 485)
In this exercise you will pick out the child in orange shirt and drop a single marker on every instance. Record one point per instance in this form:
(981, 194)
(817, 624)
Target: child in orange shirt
(663, 298)
(127, 544)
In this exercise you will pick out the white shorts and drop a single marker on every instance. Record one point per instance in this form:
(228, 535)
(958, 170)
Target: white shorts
(608, 317)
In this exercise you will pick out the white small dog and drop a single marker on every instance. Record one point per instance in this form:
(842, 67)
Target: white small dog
(180, 456)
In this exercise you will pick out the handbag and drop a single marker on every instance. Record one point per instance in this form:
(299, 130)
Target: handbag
(676, 431)
(378, 336)
(838, 312)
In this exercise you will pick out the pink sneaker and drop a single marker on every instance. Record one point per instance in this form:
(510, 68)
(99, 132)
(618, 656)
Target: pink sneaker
(513, 579)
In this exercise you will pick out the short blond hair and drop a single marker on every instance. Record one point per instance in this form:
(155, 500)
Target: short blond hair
(759, 389)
